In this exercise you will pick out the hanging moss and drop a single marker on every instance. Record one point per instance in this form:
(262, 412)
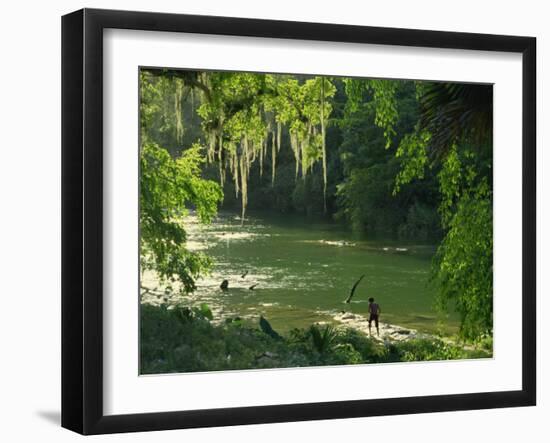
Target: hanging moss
(192, 99)
(323, 141)
(211, 149)
(303, 156)
(178, 95)
(258, 125)
(273, 156)
(279, 132)
(221, 164)
(244, 163)
(296, 151)
(261, 159)
(235, 161)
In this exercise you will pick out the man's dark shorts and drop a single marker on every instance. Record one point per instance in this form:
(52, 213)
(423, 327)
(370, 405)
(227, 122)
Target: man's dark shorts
(375, 318)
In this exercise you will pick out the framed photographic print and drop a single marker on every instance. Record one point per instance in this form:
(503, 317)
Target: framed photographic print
(269, 221)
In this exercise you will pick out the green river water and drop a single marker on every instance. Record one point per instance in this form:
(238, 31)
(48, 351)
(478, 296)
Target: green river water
(303, 271)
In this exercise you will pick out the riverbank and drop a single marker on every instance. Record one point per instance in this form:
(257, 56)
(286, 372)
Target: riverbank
(388, 332)
(156, 295)
(191, 340)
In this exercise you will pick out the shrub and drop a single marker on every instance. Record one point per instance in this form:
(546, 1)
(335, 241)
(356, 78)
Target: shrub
(185, 339)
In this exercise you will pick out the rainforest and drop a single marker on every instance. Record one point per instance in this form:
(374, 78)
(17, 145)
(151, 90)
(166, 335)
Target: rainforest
(299, 220)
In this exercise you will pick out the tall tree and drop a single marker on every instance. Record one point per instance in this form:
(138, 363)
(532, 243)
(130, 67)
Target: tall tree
(454, 135)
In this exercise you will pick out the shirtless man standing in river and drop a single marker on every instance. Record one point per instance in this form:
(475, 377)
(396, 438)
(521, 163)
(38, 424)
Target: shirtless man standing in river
(374, 311)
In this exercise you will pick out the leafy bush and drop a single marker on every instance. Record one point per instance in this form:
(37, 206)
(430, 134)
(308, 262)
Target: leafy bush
(185, 340)
(322, 339)
(463, 271)
(425, 349)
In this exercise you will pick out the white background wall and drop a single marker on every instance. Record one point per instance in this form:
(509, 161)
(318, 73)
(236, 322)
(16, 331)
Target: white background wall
(30, 219)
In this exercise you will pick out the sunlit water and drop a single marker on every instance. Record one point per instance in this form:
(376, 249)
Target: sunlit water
(303, 272)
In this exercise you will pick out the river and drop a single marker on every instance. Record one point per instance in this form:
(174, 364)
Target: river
(303, 271)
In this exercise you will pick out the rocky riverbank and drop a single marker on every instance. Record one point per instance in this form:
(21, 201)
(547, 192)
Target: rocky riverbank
(155, 294)
(388, 332)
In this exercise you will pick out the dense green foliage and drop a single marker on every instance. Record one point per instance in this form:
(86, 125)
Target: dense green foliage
(453, 135)
(463, 266)
(167, 186)
(400, 159)
(177, 341)
(370, 163)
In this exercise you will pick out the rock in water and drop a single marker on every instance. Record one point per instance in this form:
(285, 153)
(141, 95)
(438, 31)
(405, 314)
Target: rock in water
(225, 285)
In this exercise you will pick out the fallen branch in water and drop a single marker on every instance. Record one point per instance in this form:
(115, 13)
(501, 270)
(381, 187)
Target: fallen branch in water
(354, 288)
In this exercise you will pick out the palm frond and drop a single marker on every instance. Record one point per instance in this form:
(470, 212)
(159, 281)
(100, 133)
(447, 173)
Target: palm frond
(323, 339)
(453, 112)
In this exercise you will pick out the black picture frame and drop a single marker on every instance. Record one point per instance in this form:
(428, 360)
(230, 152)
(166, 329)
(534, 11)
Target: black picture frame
(82, 218)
